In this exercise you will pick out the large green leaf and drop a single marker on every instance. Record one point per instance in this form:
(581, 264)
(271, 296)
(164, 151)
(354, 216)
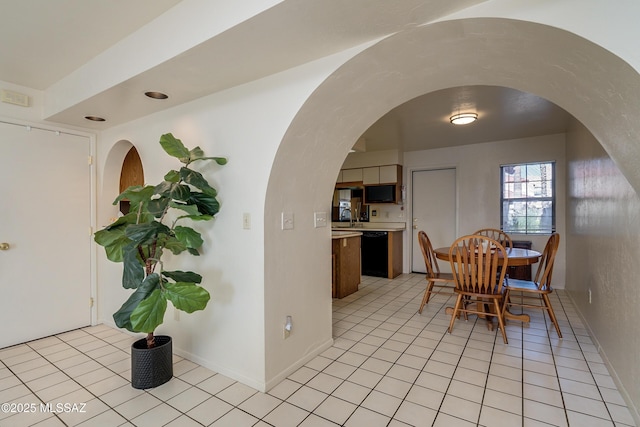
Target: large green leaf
(133, 271)
(192, 210)
(196, 179)
(122, 317)
(135, 194)
(156, 207)
(174, 147)
(173, 244)
(188, 236)
(173, 190)
(183, 276)
(122, 221)
(206, 204)
(147, 232)
(114, 241)
(198, 154)
(187, 297)
(172, 176)
(149, 314)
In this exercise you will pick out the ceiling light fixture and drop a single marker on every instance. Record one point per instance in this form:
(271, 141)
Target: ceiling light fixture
(95, 118)
(156, 95)
(463, 118)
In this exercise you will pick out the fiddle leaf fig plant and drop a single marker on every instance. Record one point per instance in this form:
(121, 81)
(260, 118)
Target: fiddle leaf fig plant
(154, 225)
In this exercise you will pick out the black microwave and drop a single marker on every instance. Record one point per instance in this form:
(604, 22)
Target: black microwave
(380, 194)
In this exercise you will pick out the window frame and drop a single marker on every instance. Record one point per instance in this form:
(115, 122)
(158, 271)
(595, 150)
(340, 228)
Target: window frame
(552, 199)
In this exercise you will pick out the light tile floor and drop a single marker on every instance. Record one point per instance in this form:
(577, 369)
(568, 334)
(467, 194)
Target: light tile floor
(389, 366)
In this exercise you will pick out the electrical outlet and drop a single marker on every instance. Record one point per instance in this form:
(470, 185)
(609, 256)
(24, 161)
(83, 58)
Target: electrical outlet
(288, 326)
(246, 221)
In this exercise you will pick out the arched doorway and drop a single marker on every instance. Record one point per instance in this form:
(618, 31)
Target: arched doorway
(595, 86)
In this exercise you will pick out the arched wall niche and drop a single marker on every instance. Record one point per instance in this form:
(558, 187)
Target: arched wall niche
(112, 173)
(131, 173)
(598, 88)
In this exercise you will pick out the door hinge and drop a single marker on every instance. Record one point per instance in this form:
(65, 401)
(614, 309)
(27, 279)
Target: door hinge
(90, 231)
(90, 160)
(90, 302)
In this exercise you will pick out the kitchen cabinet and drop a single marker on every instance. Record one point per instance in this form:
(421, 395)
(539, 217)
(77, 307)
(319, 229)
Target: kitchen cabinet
(371, 175)
(391, 174)
(352, 175)
(388, 174)
(346, 270)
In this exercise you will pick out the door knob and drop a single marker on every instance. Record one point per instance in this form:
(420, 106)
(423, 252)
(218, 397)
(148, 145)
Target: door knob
(4, 246)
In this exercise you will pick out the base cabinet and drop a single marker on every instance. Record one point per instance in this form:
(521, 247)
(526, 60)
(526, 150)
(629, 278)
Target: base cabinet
(345, 254)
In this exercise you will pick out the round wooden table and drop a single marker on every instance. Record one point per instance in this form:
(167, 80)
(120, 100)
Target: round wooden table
(516, 257)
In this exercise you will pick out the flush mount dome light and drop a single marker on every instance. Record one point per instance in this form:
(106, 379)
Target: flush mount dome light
(463, 118)
(95, 118)
(156, 95)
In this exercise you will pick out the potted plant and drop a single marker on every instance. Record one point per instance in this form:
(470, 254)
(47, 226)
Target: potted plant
(140, 239)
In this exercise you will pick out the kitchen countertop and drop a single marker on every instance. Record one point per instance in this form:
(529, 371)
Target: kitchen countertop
(343, 234)
(369, 227)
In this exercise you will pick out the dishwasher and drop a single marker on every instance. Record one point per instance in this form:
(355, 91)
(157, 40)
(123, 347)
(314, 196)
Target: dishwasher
(375, 253)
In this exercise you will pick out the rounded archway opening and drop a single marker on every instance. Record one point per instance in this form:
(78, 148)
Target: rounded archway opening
(573, 73)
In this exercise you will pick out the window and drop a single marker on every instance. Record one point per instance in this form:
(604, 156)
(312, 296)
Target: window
(528, 198)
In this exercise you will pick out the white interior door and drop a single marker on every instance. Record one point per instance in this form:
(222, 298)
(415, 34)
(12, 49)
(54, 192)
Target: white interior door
(45, 274)
(433, 196)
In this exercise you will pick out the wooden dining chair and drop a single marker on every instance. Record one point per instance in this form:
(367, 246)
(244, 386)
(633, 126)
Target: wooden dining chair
(535, 293)
(478, 264)
(434, 277)
(496, 234)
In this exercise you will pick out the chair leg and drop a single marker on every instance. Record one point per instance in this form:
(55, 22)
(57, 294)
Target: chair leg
(552, 315)
(427, 294)
(506, 301)
(499, 311)
(455, 312)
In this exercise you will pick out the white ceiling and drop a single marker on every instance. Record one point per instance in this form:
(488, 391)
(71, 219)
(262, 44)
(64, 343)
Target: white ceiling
(49, 40)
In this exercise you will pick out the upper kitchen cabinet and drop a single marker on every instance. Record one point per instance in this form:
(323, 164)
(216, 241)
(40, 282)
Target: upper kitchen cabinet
(388, 174)
(352, 175)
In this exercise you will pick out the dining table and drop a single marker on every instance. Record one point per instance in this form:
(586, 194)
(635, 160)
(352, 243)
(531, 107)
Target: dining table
(516, 257)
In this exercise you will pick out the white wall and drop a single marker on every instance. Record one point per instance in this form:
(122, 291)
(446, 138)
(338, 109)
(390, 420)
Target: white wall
(478, 181)
(603, 248)
(242, 125)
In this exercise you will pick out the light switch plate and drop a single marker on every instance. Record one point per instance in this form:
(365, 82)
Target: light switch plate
(320, 219)
(287, 220)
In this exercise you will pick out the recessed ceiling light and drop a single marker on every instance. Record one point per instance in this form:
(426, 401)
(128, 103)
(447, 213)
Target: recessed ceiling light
(156, 95)
(463, 118)
(95, 118)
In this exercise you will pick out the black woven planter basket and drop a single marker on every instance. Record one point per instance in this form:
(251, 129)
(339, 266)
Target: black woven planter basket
(151, 367)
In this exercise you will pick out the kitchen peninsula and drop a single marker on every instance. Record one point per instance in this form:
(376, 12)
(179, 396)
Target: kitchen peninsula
(381, 247)
(345, 255)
